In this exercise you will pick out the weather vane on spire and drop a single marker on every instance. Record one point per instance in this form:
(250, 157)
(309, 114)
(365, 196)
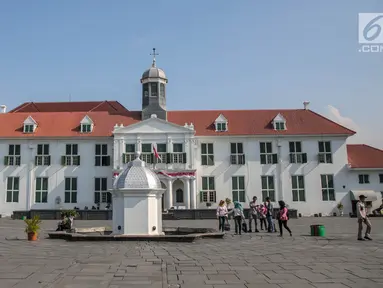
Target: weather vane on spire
(154, 54)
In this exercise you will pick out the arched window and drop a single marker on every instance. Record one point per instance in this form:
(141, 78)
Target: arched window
(179, 196)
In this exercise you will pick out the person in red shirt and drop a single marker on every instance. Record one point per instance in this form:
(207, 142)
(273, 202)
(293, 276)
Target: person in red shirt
(283, 218)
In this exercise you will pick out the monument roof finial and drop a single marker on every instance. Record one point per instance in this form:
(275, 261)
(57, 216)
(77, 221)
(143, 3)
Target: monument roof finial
(154, 54)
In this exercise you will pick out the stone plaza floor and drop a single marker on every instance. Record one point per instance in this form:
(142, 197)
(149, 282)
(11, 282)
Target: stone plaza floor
(251, 260)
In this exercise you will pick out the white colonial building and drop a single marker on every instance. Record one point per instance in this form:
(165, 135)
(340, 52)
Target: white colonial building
(66, 155)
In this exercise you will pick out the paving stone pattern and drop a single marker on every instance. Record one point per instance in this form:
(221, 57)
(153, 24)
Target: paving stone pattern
(247, 261)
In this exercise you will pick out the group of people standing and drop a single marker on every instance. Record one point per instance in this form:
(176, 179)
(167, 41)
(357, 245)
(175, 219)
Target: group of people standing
(264, 212)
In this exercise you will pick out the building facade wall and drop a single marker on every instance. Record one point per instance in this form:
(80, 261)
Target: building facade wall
(222, 170)
(27, 172)
(374, 185)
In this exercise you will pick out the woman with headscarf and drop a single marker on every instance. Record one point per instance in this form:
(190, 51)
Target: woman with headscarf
(221, 215)
(283, 218)
(238, 216)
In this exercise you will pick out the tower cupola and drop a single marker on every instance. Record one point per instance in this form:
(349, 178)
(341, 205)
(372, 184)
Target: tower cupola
(154, 82)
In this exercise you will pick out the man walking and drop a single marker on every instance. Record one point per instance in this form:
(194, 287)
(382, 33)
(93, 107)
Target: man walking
(253, 213)
(362, 218)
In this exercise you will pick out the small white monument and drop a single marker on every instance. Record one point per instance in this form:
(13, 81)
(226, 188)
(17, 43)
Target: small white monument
(137, 194)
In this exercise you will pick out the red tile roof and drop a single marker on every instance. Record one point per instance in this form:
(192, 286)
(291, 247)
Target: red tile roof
(92, 106)
(364, 156)
(259, 122)
(63, 120)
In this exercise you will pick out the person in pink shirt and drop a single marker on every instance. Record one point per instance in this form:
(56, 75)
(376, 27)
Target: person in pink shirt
(262, 216)
(283, 218)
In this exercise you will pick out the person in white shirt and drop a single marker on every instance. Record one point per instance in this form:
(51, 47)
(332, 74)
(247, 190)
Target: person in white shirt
(221, 215)
(362, 218)
(238, 217)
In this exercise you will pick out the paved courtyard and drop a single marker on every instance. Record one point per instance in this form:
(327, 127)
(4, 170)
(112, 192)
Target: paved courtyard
(250, 260)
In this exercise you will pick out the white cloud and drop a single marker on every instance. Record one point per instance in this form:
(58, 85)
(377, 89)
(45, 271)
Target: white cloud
(364, 135)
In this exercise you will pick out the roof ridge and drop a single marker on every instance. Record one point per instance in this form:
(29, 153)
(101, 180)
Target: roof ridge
(23, 105)
(98, 105)
(233, 110)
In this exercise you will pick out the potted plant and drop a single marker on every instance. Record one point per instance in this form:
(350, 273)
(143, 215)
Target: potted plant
(340, 208)
(32, 227)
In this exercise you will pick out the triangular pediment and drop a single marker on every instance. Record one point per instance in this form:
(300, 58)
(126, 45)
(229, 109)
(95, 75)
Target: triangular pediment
(153, 125)
(279, 118)
(30, 121)
(86, 120)
(221, 118)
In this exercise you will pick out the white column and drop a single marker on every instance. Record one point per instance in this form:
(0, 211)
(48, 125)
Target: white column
(121, 151)
(193, 193)
(169, 194)
(187, 193)
(279, 172)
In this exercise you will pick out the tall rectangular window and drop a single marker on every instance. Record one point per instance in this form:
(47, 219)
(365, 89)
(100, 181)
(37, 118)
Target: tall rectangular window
(101, 194)
(298, 188)
(41, 192)
(162, 90)
(71, 155)
(42, 155)
(13, 189)
(146, 155)
(161, 150)
(325, 154)
(238, 188)
(380, 178)
(178, 156)
(101, 155)
(130, 149)
(14, 156)
(266, 153)
(207, 154)
(208, 193)
(268, 188)
(237, 157)
(145, 90)
(153, 89)
(70, 190)
(328, 191)
(296, 155)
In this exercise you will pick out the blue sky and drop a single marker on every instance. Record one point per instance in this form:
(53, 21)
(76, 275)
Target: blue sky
(217, 54)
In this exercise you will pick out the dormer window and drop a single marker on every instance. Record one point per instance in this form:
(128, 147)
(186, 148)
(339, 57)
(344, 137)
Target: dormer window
(86, 125)
(28, 128)
(279, 122)
(86, 128)
(221, 124)
(280, 126)
(221, 127)
(30, 125)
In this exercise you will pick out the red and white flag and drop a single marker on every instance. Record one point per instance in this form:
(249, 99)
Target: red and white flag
(156, 153)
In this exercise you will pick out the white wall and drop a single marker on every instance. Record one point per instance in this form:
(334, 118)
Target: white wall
(223, 170)
(56, 173)
(374, 185)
